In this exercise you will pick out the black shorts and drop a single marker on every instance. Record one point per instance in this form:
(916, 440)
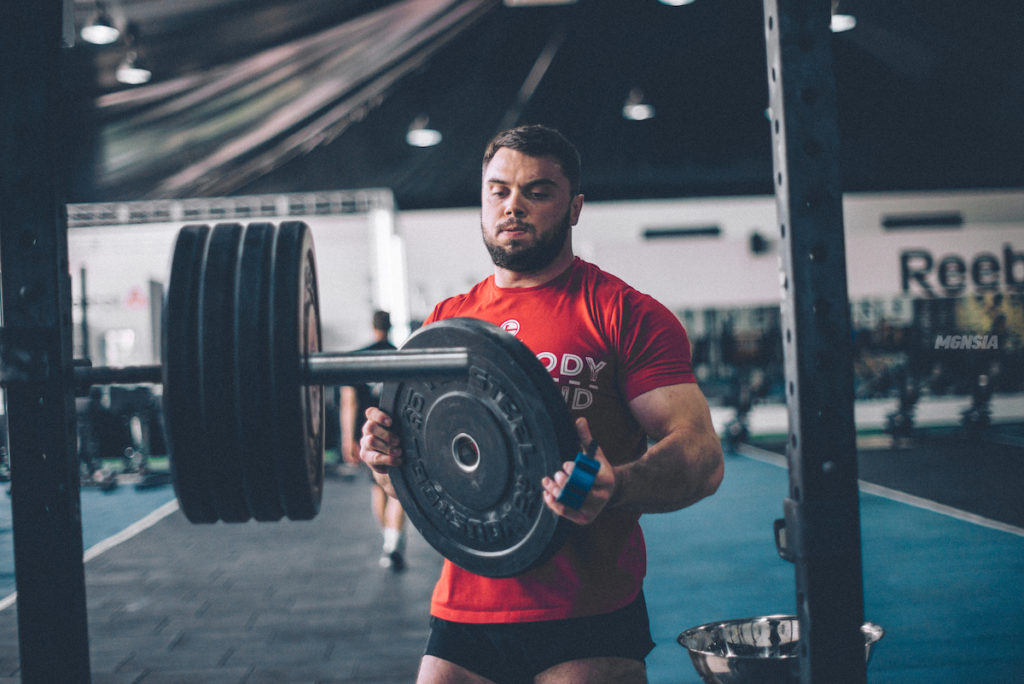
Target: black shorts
(515, 652)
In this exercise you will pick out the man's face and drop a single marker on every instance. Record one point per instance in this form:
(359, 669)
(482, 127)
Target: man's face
(526, 211)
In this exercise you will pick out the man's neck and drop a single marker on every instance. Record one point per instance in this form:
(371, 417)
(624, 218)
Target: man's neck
(505, 278)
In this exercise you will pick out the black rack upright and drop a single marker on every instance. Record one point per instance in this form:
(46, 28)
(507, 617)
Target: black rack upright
(35, 348)
(822, 512)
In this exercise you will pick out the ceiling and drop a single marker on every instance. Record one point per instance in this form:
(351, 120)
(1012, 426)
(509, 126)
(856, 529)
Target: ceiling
(269, 96)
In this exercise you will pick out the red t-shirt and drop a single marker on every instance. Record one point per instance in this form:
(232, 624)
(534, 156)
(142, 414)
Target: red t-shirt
(604, 343)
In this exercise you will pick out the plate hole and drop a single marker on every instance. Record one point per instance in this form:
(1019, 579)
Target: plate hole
(466, 452)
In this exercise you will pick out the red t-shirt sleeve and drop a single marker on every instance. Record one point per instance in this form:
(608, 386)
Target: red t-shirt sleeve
(654, 345)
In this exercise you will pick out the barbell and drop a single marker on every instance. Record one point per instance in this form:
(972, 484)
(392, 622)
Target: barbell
(480, 419)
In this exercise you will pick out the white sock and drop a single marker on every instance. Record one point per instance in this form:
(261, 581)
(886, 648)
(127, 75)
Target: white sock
(392, 539)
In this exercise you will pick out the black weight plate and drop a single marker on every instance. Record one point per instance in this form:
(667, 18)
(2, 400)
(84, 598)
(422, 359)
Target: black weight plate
(475, 449)
(298, 408)
(180, 352)
(216, 371)
(253, 426)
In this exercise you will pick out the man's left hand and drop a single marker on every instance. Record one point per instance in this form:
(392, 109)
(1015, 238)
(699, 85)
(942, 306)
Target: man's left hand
(598, 496)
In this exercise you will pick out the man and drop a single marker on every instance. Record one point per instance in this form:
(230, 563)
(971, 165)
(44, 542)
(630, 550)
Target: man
(354, 402)
(581, 616)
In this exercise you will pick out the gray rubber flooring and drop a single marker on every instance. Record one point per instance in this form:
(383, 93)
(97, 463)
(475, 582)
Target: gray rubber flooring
(280, 602)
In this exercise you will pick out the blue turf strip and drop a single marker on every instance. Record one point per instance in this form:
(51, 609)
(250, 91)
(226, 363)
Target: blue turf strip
(947, 592)
(104, 514)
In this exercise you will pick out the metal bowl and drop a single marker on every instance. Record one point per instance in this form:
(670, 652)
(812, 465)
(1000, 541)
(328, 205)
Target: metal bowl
(761, 649)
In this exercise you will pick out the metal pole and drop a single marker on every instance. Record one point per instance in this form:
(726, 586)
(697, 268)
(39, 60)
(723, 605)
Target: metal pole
(36, 348)
(87, 376)
(84, 306)
(822, 517)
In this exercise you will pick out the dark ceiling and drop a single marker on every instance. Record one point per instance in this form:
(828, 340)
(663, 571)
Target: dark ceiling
(269, 96)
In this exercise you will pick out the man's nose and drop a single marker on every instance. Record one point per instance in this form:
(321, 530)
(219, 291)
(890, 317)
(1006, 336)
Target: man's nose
(514, 205)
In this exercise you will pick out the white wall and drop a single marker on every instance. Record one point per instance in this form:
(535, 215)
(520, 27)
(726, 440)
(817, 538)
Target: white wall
(120, 261)
(119, 264)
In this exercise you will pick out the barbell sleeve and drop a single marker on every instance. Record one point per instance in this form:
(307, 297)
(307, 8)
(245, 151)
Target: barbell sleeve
(382, 366)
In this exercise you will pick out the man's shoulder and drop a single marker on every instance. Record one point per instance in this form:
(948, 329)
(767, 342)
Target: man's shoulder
(610, 290)
(597, 278)
(453, 305)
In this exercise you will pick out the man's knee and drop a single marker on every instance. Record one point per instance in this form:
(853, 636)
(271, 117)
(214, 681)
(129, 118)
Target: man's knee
(434, 670)
(595, 671)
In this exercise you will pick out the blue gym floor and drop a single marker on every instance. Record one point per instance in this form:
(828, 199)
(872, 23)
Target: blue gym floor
(947, 591)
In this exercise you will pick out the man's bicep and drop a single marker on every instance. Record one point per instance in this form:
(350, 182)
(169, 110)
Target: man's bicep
(680, 408)
(684, 464)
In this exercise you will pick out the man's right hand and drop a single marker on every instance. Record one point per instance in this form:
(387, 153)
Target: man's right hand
(380, 448)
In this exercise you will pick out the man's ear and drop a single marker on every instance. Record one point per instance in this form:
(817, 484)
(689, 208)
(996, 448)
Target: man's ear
(575, 207)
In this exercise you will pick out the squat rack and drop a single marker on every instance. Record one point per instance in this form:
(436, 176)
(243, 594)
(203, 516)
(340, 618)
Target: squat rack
(820, 532)
(36, 347)
(821, 528)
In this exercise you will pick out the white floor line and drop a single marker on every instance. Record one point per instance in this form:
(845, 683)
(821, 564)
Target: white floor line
(127, 533)
(779, 460)
(112, 541)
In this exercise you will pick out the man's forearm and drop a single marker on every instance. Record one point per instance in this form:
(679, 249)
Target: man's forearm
(673, 473)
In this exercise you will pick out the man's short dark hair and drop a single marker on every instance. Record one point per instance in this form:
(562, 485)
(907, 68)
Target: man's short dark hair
(540, 141)
(381, 321)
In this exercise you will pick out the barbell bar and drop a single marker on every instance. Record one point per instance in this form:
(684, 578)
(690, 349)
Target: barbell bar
(323, 368)
(243, 375)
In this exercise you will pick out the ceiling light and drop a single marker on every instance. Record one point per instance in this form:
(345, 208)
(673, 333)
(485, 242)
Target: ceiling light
(100, 29)
(675, 3)
(841, 22)
(636, 108)
(131, 71)
(419, 135)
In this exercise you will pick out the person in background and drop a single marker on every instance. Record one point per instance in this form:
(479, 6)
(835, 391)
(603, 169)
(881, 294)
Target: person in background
(354, 402)
(622, 361)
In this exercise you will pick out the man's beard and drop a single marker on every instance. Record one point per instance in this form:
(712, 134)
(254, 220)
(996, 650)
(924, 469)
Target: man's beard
(529, 259)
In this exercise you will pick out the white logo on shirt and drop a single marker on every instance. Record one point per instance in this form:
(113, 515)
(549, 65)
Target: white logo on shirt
(511, 326)
(579, 391)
